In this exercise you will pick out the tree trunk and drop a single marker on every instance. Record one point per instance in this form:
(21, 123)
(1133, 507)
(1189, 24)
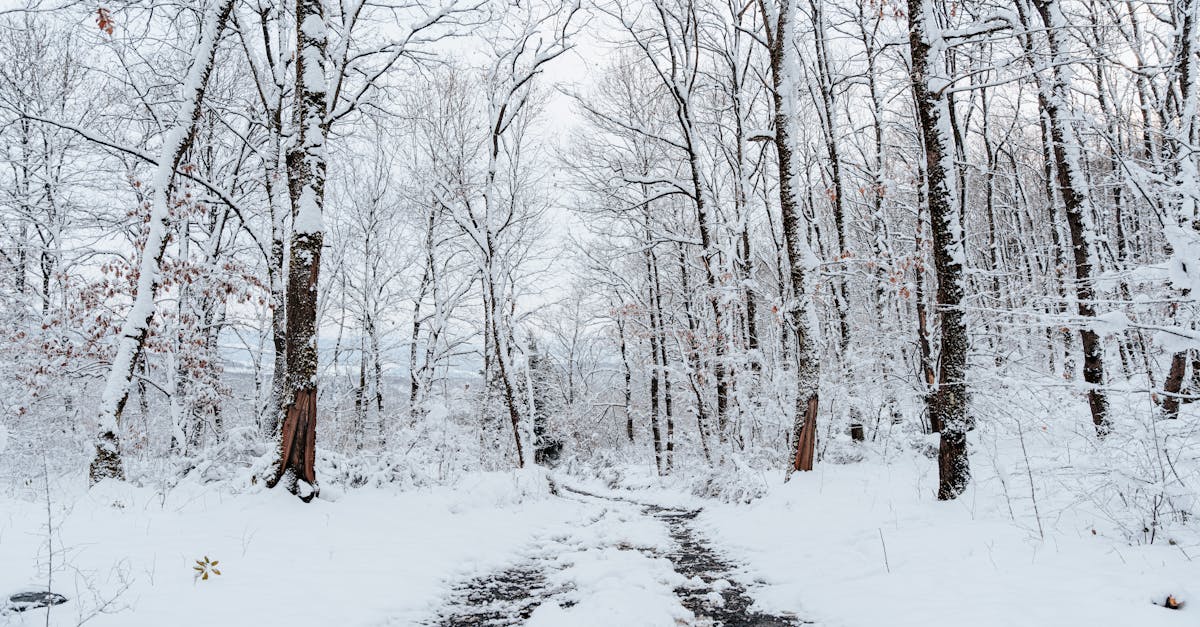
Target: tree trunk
(306, 175)
(948, 405)
(693, 353)
(427, 278)
(1074, 190)
(501, 353)
(628, 377)
(927, 365)
(1174, 385)
(780, 19)
(837, 200)
(107, 461)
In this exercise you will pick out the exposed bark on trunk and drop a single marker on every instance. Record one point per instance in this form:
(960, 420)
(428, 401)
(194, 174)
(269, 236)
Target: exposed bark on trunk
(297, 444)
(948, 405)
(806, 436)
(779, 18)
(1173, 386)
(306, 165)
(107, 461)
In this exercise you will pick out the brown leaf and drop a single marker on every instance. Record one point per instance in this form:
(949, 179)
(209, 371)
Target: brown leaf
(104, 20)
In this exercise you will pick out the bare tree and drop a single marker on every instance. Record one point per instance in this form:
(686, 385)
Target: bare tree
(107, 461)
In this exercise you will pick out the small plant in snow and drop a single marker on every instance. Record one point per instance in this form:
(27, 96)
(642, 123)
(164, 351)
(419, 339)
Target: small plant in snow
(205, 567)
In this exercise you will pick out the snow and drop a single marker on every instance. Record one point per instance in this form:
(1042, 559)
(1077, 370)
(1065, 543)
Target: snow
(616, 587)
(372, 556)
(956, 563)
(1076, 530)
(867, 545)
(613, 574)
(308, 216)
(313, 27)
(1110, 323)
(852, 545)
(314, 70)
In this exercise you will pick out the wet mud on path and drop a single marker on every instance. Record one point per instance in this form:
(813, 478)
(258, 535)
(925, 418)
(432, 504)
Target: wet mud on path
(510, 596)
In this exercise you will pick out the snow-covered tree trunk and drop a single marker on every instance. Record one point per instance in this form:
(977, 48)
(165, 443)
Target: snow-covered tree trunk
(837, 197)
(269, 79)
(1182, 225)
(1055, 93)
(658, 370)
(627, 376)
(306, 165)
(107, 462)
(948, 404)
(780, 18)
(499, 327)
(415, 390)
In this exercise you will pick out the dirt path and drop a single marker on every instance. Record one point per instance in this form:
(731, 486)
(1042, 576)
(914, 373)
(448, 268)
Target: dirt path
(499, 599)
(510, 596)
(719, 601)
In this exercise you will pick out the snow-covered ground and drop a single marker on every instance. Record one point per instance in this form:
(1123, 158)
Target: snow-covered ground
(853, 546)
(814, 546)
(371, 557)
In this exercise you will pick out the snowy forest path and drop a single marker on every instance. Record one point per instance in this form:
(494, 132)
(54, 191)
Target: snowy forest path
(687, 578)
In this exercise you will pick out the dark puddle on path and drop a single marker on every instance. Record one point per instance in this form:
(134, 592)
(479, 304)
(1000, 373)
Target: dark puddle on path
(509, 597)
(504, 598)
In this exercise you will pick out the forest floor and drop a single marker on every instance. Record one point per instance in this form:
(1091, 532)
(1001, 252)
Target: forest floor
(855, 545)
